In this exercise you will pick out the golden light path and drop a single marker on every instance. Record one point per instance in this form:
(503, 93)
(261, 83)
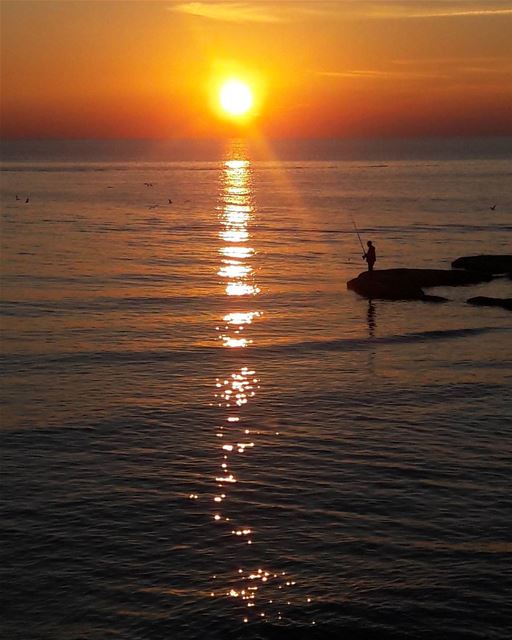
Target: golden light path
(263, 593)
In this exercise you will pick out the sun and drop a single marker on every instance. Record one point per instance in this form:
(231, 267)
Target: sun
(235, 98)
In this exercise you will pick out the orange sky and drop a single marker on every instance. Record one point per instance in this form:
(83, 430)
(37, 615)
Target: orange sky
(334, 68)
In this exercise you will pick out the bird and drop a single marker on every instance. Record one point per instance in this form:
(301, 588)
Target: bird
(27, 200)
(170, 201)
(493, 207)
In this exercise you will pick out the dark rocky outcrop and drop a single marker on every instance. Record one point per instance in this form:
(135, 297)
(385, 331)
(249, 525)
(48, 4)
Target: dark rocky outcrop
(406, 284)
(493, 264)
(483, 301)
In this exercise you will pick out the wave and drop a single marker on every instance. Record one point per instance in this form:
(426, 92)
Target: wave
(96, 305)
(421, 336)
(196, 354)
(103, 167)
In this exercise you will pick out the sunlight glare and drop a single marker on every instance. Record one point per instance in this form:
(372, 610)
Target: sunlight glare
(235, 97)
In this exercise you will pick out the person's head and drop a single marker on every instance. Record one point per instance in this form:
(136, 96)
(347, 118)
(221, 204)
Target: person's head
(369, 243)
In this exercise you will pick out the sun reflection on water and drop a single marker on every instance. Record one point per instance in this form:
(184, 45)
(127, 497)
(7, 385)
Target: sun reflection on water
(262, 593)
(236, 252)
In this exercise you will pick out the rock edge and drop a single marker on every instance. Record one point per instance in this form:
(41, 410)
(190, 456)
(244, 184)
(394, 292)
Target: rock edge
(406, 284)
(492, 264)
(483, 301)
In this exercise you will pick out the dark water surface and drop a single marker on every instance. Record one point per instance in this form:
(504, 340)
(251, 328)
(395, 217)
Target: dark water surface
(206, 436)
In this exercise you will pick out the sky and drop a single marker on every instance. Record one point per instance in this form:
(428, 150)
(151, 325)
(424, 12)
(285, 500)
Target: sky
(317, 68)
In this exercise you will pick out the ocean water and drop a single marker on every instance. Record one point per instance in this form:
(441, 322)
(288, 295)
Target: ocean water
(206, 436)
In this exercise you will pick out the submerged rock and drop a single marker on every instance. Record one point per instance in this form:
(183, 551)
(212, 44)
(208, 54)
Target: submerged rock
(406, 284)
(483, 301)
(485, 263)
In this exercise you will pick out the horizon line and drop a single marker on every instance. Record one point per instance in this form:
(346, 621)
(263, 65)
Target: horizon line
(440, 136)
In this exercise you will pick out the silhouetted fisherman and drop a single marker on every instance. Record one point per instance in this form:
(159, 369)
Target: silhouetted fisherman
(370, 256)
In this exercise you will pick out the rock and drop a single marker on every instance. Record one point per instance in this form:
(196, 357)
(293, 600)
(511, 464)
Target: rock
(427, 298)
(486, 263)
(378, 285)
(483, 301)
(406, 284)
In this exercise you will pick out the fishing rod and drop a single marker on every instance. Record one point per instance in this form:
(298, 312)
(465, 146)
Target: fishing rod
(357, 231)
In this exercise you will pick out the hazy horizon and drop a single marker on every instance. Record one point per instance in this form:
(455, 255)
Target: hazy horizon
(81, 150)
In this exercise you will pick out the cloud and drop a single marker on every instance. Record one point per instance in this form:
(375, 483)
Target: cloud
(476, 68)
(278, 11)
(458, 13)
(422, 8)
(377, 74)
(226, 11)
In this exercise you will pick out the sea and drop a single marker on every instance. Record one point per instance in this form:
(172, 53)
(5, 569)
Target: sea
(206, 436)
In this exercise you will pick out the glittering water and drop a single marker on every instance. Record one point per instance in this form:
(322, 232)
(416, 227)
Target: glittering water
(206, 436)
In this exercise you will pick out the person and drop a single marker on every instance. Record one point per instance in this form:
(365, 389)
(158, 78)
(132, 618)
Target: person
(370, 256)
